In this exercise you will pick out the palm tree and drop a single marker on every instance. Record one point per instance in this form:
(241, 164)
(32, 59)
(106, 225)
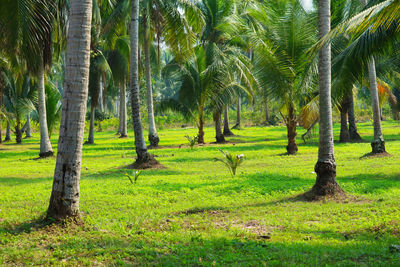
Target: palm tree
(326, 184)
(64, 200)
(143, 155)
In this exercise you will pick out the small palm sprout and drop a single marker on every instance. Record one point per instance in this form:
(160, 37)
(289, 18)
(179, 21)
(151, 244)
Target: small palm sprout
(134, 177)
(231, 161)
(192, 140)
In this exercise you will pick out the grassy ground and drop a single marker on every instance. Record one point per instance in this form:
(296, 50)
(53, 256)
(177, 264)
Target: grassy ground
(195, 213)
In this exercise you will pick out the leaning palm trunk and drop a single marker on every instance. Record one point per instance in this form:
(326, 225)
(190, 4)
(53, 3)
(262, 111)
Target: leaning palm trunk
(354, 136)
(153, 137)
(227, 130)
(45, 146)
(141, 149)
(219, 136)
(124, 126)
(378, 144)
(325, 168)
(8, 132)
(64, 200)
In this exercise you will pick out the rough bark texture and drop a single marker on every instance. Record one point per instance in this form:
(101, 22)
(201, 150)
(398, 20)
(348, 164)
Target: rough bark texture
(344, 131)
(45, 146)
(64, 200)
(325, 167)
(153, 137)
(124, 126)
(18, 132)
(141, 149)
(8, 132)
(200, 136)
(291, 125)
(354, 136)
(120, 112)
(238, 114)
(219, 136)
(227, 130)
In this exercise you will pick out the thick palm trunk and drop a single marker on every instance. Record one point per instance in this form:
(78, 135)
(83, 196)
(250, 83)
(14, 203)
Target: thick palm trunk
(354, 136)
(378, 144)
(141, 149)
(325, 168)
(8, 132)
(344, 131)
(91, 127)
(238, 114)
(64, 200)
(219, 136)
(227, 130)
(291, 126)
(124, 126)
(45, 146)
(18, 132)
(153, 137)
(28, 127)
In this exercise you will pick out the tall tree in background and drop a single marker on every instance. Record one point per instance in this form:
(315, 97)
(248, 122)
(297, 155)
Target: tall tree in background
(326, 184)
(64, 200)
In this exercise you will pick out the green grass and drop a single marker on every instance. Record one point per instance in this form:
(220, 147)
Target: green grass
(195, 213)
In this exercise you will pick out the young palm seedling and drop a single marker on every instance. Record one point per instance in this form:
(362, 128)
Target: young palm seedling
(192, 140)
(231, 161)
(134, 177)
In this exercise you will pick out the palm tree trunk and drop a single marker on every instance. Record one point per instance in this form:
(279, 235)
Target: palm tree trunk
(28, 127)
(45, 146)
(200, 136)
(227, 130)
(91, 127)
(141, 149)
(120, 112)
(266, 113)
(64, 200)
(153, 137)
(238, 114)
(354, 136)
(219, 136)
(325, 167)
(344, 131)
(8, 132)
(291, 126)
(18, 132)
(124, 126)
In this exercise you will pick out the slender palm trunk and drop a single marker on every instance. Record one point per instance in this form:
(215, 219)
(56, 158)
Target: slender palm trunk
(153, 137)
(227, 130)
(354, 136)
(141, 149)
(200, 136)
(124, 126)
(91, 127)
(64, 200)
(120, 112)
(8, 132)
(28, 126)
(18, 131)
(219, 136)
(291, 126)
(344, 131)
(45, 146)
(325, 168)
(238, 114)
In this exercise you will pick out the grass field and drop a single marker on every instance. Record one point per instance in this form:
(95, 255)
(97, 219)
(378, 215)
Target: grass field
(194, 213)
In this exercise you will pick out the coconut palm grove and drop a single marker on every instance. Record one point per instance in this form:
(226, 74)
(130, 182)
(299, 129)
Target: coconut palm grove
(199, 132)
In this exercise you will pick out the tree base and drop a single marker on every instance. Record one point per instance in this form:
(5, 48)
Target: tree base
(378, 147)
(326, 185)
(149, 162)
(228, 132)
(236, 127)
(89, 143)
(344, 137)
(355, 137)
(46, 154)
(220, 139)
(123, 136)
(292, 149)
(154, 140)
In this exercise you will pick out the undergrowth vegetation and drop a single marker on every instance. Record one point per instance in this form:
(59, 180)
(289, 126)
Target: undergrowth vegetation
(195, 213)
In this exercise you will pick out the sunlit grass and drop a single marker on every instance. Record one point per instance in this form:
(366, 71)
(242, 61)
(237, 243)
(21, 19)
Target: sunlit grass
(195, 213)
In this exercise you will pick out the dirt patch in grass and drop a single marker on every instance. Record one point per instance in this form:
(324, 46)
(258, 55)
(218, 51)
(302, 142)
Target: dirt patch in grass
(207, 210)
(252, 226)
(152, 164)
(340, 197)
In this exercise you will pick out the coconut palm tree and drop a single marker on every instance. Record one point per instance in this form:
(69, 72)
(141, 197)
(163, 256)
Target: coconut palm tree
(64, 200)
(326, 184)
